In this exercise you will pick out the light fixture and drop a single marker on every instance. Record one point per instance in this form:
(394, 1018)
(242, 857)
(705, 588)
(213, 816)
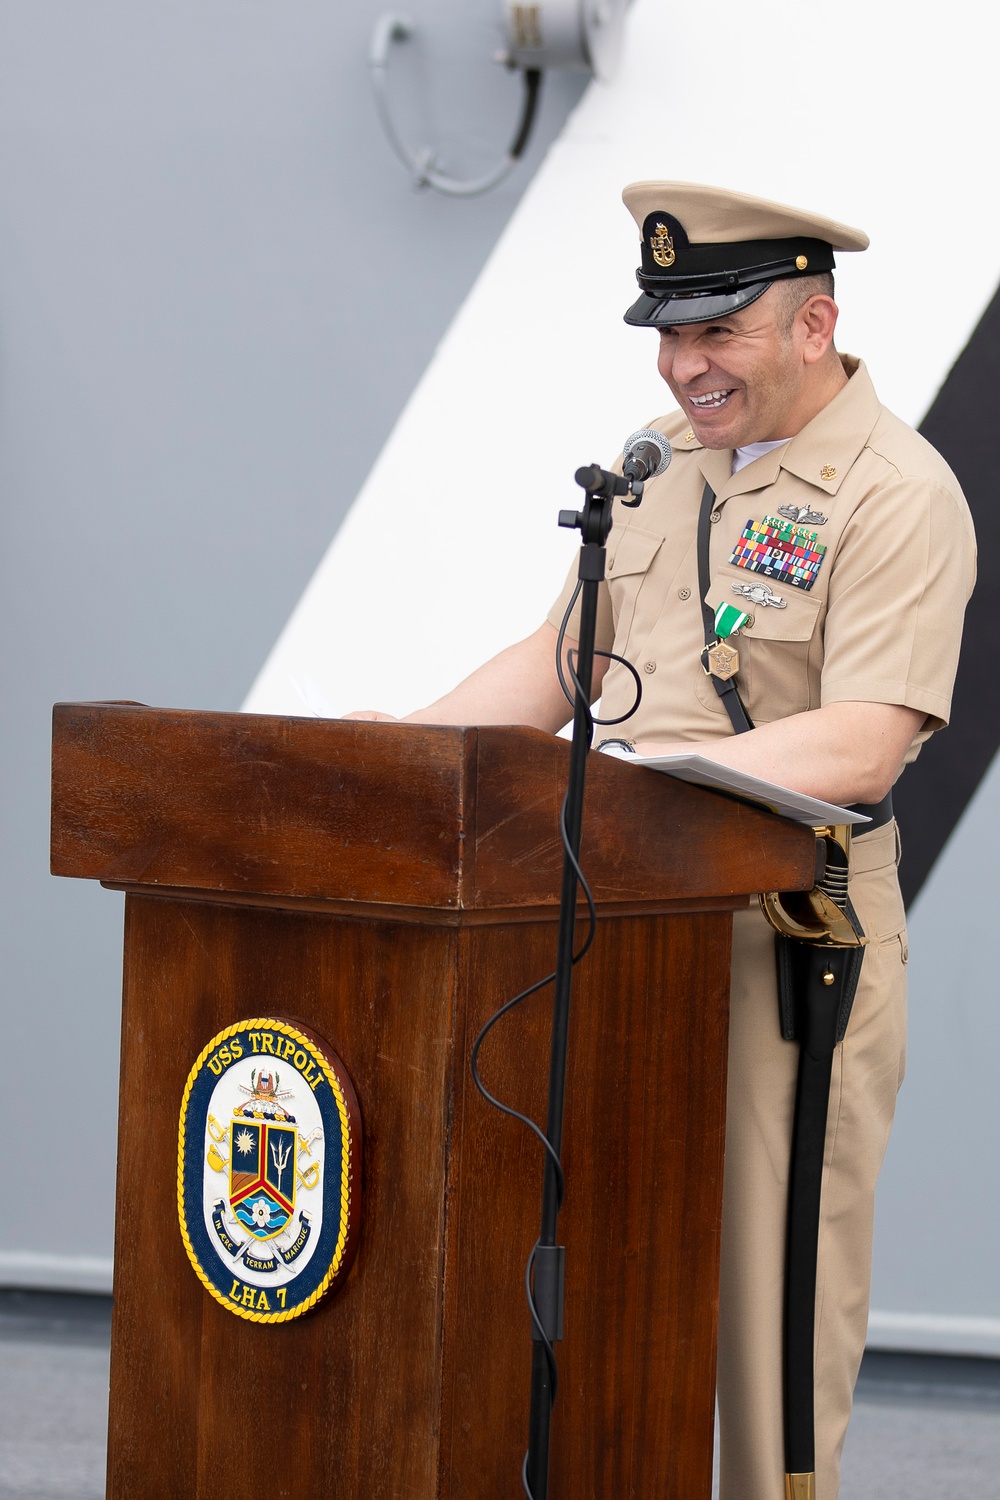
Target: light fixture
(582, 35)
(576, 35)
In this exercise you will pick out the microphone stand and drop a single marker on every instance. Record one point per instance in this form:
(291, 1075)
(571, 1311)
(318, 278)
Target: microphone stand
(547, 1269)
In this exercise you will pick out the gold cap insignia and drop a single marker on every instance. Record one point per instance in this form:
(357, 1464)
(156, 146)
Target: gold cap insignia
(801, 261)
(662, 245)
(828, 472)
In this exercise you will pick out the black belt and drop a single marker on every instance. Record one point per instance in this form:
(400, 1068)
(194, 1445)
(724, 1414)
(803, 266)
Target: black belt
(880, 813)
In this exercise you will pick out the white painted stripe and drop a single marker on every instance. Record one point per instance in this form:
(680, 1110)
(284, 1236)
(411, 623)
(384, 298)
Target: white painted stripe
(933, 1333)
(451, 549)
(55, 1273)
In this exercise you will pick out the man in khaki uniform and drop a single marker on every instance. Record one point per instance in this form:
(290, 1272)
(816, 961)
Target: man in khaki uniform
(845, 540)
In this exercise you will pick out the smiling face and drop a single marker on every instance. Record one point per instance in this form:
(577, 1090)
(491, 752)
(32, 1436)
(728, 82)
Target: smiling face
(756, 376)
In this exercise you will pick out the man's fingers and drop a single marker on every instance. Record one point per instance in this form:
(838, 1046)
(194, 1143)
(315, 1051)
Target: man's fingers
(372, 714)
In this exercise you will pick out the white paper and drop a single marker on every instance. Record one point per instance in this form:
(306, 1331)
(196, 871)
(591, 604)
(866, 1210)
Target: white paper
(777, 799)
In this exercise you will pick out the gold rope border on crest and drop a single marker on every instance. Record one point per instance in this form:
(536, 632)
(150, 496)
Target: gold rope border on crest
(271, 1024)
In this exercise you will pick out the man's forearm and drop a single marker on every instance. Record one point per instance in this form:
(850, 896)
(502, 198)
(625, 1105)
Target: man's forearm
(843, 753)
(519, 686)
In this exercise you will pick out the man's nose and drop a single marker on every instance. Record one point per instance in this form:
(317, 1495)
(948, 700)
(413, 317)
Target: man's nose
(688, 363)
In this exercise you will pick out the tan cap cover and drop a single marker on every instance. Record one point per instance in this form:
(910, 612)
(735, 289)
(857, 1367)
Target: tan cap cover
(714, 216)
(707, 251)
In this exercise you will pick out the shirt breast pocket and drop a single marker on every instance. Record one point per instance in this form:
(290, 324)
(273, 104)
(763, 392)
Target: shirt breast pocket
(629, 561)
(780, 651)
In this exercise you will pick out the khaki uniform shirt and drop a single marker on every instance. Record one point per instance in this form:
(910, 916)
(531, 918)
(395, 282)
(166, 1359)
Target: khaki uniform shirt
(881, 621)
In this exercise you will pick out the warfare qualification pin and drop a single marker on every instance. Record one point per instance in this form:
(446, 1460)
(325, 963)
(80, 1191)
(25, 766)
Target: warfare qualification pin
(759, 593)
(269, 1170)
(802, 515)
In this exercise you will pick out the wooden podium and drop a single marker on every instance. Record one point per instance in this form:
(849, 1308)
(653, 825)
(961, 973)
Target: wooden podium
(389, 886)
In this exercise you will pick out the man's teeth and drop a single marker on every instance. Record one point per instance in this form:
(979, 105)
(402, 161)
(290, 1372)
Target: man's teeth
(714, 398)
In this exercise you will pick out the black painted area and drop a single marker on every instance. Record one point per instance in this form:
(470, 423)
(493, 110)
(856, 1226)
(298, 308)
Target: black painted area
(28, 1316)
(941, 1379)
(963, 424)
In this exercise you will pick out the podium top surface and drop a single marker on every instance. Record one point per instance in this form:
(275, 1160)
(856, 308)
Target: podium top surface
(340, 813)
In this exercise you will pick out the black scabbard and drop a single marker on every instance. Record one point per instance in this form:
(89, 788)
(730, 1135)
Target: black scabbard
(817, 986)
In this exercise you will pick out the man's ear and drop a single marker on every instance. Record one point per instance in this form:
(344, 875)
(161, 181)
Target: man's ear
(816, 320)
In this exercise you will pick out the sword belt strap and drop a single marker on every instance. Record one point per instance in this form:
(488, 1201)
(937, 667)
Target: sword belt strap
(727, 691)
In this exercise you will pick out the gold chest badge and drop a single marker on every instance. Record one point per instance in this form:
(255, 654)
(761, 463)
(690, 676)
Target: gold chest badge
(662, 245)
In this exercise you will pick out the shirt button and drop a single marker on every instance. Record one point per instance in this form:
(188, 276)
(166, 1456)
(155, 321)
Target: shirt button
(749, 623)
(649, 666)
(715, 516)
(683, 593)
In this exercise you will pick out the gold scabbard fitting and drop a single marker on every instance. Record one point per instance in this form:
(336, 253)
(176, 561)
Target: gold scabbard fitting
(800, 1487)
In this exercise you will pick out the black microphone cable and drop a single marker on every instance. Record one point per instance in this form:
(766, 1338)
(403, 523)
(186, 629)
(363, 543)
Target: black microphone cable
(572, 695)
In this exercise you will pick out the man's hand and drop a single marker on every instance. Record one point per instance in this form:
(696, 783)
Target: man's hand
(371, 714)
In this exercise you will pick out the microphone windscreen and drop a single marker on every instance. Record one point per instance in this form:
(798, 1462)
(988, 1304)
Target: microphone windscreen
(652, 450)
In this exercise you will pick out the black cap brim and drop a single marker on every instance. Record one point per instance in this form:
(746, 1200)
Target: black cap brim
(694, 307)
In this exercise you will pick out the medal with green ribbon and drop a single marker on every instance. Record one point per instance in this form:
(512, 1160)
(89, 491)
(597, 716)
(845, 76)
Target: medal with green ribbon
(723, 659)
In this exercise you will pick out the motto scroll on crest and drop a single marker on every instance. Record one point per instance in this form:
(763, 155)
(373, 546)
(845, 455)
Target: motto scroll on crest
(269, 1169)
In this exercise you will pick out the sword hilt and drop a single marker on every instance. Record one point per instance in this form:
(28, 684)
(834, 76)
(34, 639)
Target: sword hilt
(823, 915)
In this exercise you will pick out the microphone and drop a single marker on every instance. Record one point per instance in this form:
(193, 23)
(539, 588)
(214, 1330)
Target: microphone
(647, 455)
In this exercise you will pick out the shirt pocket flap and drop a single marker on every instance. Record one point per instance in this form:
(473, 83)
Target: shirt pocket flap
(634, 552)
(795, 621)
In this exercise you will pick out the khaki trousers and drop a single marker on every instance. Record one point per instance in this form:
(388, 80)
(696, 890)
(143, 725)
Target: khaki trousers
(867, 1072)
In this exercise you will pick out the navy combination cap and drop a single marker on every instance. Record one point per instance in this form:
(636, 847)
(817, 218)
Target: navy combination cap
(707, 252)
